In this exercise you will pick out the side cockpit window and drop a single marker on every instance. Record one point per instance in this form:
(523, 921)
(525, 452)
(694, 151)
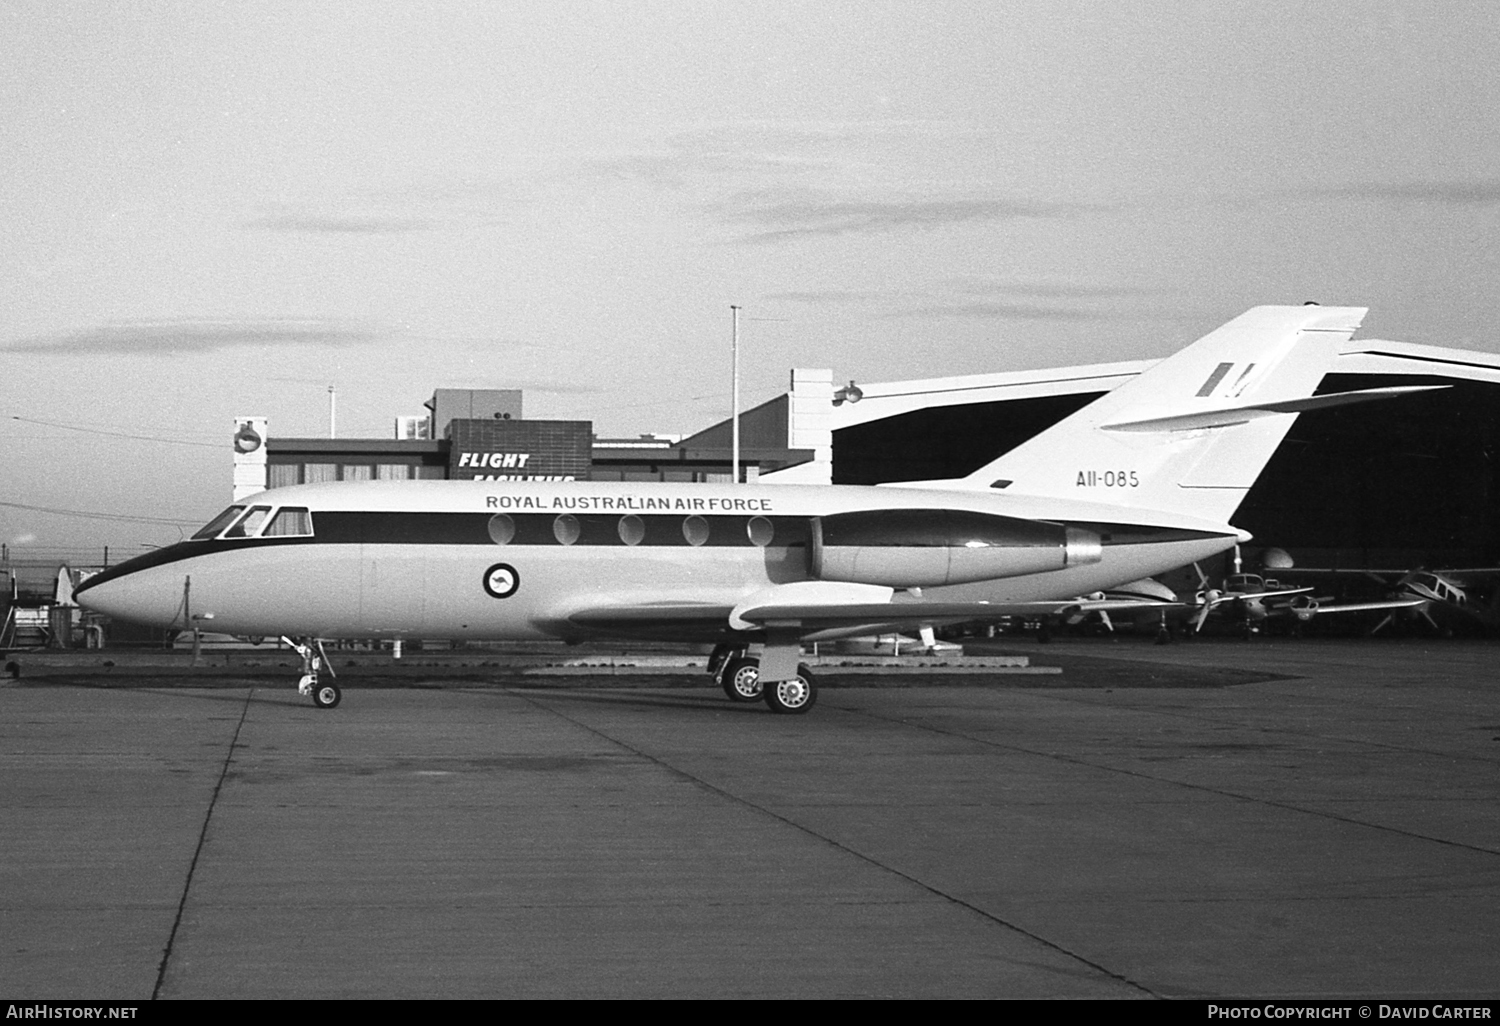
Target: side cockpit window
(218, 523)
(250, 523)
(289, 522)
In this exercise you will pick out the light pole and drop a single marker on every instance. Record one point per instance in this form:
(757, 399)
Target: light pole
(734, 352)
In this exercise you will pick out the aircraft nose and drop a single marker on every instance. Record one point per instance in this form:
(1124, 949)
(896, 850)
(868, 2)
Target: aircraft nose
(151, 596)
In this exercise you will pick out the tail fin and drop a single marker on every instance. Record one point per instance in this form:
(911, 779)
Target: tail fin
(1191, 434)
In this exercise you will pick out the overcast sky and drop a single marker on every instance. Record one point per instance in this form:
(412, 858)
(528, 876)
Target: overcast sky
(212, 210)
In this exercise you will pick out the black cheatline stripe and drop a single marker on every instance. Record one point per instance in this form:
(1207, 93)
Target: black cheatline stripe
(594, 528)
(180, 551)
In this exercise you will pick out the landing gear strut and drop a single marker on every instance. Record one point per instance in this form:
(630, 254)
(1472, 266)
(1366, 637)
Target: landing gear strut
(325, 694)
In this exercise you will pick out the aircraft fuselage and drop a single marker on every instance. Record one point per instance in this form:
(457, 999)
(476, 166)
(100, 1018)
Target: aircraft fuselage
(489, 560)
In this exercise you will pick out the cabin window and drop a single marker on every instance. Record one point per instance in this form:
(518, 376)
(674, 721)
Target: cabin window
(289, 522)
(761, 531)
(566, 528)
(250, 523)
(632, 529)
(218, 523)
(695, 530)
(502, 529)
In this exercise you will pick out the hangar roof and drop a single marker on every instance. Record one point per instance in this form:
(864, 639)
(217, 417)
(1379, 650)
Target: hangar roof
(1357, 356)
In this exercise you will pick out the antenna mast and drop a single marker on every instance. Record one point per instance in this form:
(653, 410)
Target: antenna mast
(734, 351)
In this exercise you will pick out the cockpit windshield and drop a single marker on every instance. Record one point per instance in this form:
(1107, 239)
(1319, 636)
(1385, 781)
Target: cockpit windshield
(249, 523)
(218, 523)
(290, 521)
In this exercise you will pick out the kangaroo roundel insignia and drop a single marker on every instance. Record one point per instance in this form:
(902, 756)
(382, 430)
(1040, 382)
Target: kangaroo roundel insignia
(502, 580)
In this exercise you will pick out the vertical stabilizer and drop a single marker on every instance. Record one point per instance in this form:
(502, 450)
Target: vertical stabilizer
(1191, 434)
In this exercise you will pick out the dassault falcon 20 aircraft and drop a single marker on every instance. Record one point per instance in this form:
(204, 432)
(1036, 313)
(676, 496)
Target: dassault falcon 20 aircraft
(1140, 481)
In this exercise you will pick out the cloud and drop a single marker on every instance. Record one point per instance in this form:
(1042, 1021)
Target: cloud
(813, 217)
(340, 224)
(828, 296)
(1038, 289)
(193, 335)
(774, 151)
(980, 297)
(1471, 193)
(1012, 311)
(456, 204)
(1474, 193)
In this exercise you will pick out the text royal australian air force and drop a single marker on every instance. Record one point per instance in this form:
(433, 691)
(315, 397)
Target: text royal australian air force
(631, 503)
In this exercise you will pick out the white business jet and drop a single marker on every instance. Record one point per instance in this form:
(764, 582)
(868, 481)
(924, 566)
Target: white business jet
(1142, 480)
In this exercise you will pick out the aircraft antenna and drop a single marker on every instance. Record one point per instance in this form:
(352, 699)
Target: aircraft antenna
(332, 408)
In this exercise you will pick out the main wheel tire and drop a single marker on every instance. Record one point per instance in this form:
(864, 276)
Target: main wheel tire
(793, 696)
(742, 679)
(326, 696)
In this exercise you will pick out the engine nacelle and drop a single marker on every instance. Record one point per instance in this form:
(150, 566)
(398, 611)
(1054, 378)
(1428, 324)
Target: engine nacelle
(1304, 608)
(911, 548)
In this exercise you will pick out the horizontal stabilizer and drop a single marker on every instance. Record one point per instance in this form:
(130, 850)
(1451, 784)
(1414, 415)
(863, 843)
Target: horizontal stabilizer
(1232, 415)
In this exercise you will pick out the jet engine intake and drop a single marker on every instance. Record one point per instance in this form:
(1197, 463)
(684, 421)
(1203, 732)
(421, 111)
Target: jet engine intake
(910, 548)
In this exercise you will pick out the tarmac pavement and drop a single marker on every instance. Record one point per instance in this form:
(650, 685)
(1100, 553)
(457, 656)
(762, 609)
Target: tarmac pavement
(1299, 819)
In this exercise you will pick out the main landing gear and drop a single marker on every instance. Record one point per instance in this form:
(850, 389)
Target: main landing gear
(739, 675)
(325, 694)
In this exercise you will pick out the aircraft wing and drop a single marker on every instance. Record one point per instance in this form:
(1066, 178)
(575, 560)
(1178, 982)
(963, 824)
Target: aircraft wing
(1121, 605)
(809, 615)
(1366, 607)
(916, 614)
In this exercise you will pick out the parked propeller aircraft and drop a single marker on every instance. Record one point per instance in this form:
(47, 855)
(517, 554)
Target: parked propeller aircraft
(1249, 600)
(1420, 593)
(1131, 601)
(1142, 480)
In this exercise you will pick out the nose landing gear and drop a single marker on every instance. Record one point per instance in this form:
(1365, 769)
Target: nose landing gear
(325, 694)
